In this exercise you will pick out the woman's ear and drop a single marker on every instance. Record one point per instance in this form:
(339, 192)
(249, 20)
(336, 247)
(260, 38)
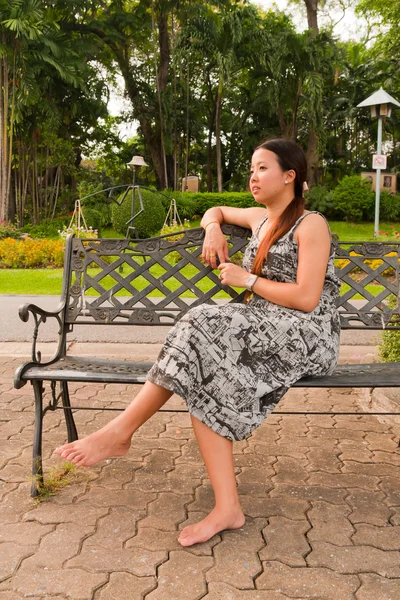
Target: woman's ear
(290, 176)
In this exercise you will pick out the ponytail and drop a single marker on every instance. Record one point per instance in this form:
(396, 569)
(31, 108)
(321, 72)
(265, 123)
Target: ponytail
(289, 156)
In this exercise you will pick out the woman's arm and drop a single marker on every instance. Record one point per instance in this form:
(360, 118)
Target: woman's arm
(215, 244)
(313, 239)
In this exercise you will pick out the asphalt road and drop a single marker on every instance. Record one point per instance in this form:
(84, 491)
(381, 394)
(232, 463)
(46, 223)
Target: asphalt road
(12, 329)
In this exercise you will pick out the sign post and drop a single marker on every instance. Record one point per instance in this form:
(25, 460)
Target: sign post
(380, 103)
(378, 175)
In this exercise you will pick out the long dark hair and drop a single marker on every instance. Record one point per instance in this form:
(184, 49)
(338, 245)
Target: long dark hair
(290, 157)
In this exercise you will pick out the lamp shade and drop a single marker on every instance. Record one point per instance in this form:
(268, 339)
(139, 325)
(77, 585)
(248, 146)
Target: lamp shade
(379, 97)
(137, 161)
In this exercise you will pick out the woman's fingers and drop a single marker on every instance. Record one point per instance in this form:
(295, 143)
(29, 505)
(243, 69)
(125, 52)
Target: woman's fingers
(213, 258)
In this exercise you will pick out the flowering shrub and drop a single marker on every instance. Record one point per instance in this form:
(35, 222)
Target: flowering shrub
(373, 263)
(29, 253)
(80, 232)
(175, 228)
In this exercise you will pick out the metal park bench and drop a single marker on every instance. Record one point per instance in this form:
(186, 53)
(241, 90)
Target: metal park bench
(155, 281)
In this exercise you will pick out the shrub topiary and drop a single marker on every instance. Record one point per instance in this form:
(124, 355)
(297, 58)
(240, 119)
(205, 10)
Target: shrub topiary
(148, 223)
(353, 199)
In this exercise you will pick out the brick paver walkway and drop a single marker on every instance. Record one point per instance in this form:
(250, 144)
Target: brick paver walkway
(321, 496)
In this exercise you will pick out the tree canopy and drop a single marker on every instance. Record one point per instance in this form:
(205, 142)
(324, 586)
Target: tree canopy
(205, 82)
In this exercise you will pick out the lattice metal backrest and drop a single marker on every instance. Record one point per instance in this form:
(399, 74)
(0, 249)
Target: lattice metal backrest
(369, 273)
(159, 279)
(147, 281)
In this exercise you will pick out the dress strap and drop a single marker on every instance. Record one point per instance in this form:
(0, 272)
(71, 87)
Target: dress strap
(311, 212)
(261, 223)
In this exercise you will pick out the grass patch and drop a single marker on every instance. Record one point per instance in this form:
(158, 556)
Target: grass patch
(31, 281)
(57, 478)
(364, 232)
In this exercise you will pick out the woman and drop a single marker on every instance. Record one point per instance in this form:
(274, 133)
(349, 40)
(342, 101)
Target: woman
(232, 363)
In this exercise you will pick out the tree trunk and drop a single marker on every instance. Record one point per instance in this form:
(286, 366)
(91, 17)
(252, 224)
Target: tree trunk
(162, 77)
(4, 149)
(312, 149)
(218, 134)
(187, 125)
(312, 158)
(312, 16)
(211, 122)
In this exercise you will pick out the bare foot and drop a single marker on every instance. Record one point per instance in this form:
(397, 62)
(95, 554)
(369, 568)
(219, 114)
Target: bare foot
(215, 522)
(108, 441)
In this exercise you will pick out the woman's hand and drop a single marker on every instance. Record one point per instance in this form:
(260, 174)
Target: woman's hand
(231, 274)
(214, 245)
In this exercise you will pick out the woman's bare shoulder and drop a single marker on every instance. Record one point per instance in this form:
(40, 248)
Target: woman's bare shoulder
(313, 225)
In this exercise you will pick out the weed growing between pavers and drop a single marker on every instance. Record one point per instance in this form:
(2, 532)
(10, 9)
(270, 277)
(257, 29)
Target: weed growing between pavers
(58, 477)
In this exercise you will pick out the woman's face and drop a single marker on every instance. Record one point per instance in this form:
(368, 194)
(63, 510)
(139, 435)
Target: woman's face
(267, 180)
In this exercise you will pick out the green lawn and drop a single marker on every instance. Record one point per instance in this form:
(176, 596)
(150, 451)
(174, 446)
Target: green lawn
(357, 232)
(49, 281)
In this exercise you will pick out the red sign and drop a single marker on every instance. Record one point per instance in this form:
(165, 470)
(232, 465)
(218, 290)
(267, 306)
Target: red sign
(379, 161)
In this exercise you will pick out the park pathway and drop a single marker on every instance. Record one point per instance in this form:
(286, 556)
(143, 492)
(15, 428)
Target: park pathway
(321, 495)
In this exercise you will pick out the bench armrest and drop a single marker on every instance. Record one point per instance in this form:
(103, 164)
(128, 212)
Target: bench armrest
(40, 316)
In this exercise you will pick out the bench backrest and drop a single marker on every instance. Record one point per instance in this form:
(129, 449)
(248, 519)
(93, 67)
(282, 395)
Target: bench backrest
(156, 280)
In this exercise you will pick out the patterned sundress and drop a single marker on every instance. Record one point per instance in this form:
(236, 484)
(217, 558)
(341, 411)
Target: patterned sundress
(232, 363)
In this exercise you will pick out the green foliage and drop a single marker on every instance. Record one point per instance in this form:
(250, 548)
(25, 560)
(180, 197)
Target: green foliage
(210, 199)
(389, 208)
(92, 199)
(48, 228)
(390, 347)
(93, 218)
(185, 203)
(353, 199)
(320, 198)
(149, 222)
(7, 230)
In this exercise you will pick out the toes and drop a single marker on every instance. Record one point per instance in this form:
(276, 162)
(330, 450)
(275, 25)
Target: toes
(74, 456)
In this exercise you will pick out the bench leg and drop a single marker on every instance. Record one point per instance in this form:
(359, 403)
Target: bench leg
(37, 468)
(69, 417)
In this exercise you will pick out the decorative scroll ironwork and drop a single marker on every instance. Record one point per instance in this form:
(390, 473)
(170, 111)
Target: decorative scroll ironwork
(370, 272)
(154, 281)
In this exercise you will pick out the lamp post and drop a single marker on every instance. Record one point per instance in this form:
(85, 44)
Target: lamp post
(380, 103)
(134, 165)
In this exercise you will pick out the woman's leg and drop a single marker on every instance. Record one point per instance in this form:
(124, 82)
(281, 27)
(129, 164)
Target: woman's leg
(227, 513)
(115, 438)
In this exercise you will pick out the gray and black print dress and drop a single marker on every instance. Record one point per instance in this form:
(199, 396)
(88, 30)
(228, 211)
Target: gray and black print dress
(233, 363)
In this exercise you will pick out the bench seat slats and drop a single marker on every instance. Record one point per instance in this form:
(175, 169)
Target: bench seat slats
(99, 370)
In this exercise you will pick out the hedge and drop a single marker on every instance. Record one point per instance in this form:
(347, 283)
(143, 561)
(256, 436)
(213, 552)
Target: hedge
(207, 200)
